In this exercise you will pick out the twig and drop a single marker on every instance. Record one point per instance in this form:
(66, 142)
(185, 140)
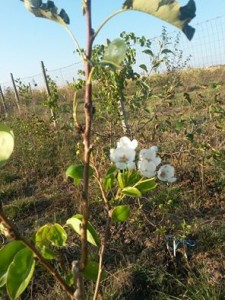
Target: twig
(106, 233)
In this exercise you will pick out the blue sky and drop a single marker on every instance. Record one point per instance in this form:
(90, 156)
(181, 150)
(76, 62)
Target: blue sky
(26, 40)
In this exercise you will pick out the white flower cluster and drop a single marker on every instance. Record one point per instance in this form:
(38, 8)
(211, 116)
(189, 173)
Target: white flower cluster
(124, 158)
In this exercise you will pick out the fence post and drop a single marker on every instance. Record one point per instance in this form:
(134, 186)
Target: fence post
(16, 93)
(48, 90)
(3, 102)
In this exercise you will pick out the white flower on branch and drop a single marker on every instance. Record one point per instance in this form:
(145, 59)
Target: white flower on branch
(148, 161)
(125, 142)
(147, 168)
(166, 173)
(150, 155)
(124, 155)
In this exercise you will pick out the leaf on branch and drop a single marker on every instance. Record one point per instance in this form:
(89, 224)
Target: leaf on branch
(131, 191)
(91, 271)
(20, 273)
(121, 213)
(167, 10)
(143, 67)
(50, 235)
(115, 53)
(47, 10)
(7, 255)
(92, 235)
(76, 172)
(146, 185)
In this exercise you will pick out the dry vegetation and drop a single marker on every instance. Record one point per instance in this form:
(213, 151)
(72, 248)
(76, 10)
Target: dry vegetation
(187, 123)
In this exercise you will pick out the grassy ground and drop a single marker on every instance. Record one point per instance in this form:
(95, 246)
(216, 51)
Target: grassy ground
(187, 123)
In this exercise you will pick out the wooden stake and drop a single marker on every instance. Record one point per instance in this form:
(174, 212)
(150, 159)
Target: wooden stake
(3, 102)
(16, 93)
(48, 91)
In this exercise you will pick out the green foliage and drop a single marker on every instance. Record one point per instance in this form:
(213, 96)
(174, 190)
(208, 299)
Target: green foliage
(20, 273)
(50, 235)
(92, 236)
(146, 185)
(25, 93)
(52, 100)
(91, 271)
(16, 268)
(109, 181)
(121, 213)
(111, 83)
(115, 52)
(76, 172)
(7, 255)
(131, 191)
(6, 143)
(110, 178)
(131, 184)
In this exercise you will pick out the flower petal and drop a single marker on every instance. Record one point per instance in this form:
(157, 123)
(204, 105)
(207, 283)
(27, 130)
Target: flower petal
(166, 173)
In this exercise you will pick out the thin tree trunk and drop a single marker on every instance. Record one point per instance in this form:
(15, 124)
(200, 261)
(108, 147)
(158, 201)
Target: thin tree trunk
(123, 116)
(87, 149)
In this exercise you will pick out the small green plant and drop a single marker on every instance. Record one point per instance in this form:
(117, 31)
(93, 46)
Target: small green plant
(24, 92)
(52, 99)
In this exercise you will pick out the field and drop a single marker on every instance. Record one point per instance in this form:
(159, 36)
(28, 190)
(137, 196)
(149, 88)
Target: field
(185, 118)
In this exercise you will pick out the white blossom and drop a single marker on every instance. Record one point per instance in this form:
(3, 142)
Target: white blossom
(150, 155)
(147, 168)
(166, 173)
(125, 142)
(124, 155)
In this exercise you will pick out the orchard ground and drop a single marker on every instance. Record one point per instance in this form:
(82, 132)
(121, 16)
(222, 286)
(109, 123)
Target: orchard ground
(186, 120)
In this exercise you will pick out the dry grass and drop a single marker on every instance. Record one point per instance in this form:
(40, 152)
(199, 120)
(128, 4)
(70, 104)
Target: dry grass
(188, 127)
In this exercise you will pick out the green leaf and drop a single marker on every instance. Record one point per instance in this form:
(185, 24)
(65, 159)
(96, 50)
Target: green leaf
(115, 52)
(143, 67)
(121, 179)
(69, 278)
(111, 170)
(91, 271)
(167, 10)
(47, 252)
(77, 172)
(157, 63)
(42, 241)
(20, 273)
(48, 235)
(57, 235)
(131, 191)
(149, 52)
(7, 255)
(146, 185)
(121, 213)
(133, 178)
(109, 181)
(92, 236)
(6, 143)
(47, 10)
(167, 51)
